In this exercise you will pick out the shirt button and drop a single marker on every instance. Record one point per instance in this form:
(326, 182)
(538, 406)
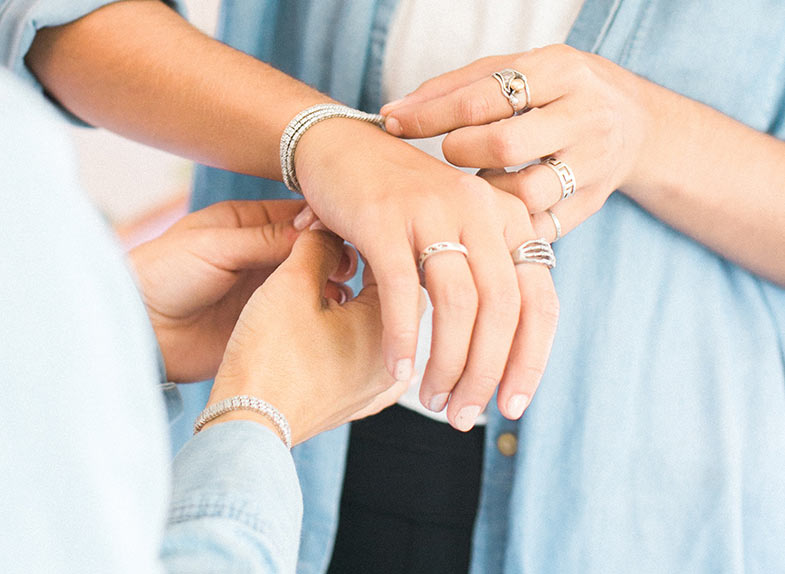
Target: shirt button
(507, 443)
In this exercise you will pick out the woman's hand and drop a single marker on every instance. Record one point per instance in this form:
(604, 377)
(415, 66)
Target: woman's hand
(493, 322)
(318, 362)
(585, 110)
(196, 278)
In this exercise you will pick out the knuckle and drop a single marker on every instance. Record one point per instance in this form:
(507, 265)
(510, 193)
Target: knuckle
(485, 382)
(445, 371)
(504, 145)
(503, 301)
(532, 194)
(546, 307)
(472, 109)
(458, 298)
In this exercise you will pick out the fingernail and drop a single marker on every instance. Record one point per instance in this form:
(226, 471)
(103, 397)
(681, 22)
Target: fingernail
(404, 370)
(516, 405)
(414, 380)
(348, 262)
(346, 293)
(393, 127)
(438, 402)
(318, 226)
(390, 105)
(304, 218)
(466, 417)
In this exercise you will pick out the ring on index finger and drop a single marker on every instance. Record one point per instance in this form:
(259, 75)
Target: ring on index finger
(513, 84)
(439, 247)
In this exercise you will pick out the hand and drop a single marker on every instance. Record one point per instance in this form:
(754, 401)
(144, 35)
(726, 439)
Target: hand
(196, 278)
(586, 111)
(318, 362)
(493, 322)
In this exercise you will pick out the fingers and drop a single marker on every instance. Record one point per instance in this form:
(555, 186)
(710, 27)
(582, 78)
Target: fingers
(452, 290)
(538, 133)
(235, 249)
(570, 214)
(471, 96)
(537, 323)
(399, 292)
(238, 213)
(494, 329)
(315, 256)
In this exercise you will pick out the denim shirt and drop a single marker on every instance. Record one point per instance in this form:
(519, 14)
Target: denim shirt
(656, 441)
(87, 484)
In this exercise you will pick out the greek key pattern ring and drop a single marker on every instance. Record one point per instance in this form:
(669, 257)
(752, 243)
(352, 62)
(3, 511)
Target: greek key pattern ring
(563, 172)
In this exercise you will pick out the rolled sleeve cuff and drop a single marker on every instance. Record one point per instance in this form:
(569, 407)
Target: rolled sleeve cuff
(240, 473)
(20, 20)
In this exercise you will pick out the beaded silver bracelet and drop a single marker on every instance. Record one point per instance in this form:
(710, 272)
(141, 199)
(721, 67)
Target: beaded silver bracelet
(304, 121)
(247, 403)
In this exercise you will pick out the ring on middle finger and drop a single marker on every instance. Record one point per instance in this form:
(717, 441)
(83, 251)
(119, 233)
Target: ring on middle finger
(513, 84)
(439, 247)
(563, 172)
(534, 251)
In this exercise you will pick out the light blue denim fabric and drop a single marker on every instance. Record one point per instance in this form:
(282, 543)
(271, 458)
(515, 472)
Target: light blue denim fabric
(86, 480)
(656, 442)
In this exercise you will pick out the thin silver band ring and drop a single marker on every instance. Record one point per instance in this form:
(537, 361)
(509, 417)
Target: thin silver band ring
(556, 224)
(440, 247)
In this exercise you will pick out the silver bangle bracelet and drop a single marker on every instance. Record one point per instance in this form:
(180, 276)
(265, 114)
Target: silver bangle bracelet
(247, 403)
(305, 120)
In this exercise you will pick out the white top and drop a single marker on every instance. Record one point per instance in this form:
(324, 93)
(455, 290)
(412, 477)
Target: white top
(430, 37)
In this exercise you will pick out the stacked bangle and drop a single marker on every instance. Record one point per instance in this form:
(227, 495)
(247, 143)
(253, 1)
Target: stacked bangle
(248, 403)
(305, 120)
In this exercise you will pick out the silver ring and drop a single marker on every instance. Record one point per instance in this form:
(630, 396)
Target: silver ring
(563, 172)
(513, 83)
(435, 248)
(556, 224)
(535, 251)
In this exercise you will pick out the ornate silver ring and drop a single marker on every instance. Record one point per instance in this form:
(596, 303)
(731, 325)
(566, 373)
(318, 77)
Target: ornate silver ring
(513, 84)
(563, 172)
(440, 247)
(535, 251)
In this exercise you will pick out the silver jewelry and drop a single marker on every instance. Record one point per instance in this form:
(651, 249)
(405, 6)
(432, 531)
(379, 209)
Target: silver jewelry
(304, 121)
(563, 172)
(248, 403)
(435, 248)
(513, 83)
(535, 251)
(556, 224)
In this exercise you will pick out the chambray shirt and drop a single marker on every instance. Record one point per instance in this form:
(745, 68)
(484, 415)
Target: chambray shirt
(86, 479)
(656, 441)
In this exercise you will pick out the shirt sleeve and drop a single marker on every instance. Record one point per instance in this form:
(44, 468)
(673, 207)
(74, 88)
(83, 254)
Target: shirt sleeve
(20, 20)
(234, 508)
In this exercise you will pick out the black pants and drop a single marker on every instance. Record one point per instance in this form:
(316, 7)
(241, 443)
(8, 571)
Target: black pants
(409, 497)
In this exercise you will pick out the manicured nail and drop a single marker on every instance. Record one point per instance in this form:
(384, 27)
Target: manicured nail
(318, 226)
(516, 405)
(346, 293)
(404, 370)
(438, 402)
(466, 418)
(393, 127)
(390, 105)
(414, 380)
(304, 218)
(348, 264)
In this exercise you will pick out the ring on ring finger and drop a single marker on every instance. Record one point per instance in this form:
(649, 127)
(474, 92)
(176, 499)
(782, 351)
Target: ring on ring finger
(534, 251)
(564, 173)
(556, 224)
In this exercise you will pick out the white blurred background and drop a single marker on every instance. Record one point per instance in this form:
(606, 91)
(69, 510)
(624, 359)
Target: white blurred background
(140, 190)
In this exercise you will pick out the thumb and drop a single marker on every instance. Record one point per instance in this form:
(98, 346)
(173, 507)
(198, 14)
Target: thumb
(315, 256)
(238, 248)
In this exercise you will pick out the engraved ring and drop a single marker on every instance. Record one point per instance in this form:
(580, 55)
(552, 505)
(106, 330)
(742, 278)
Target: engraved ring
(563, 172)
(513, 84)
(439, 247)
(534, 251)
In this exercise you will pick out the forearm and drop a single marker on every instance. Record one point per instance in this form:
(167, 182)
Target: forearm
(139, 69)
(717, 181)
